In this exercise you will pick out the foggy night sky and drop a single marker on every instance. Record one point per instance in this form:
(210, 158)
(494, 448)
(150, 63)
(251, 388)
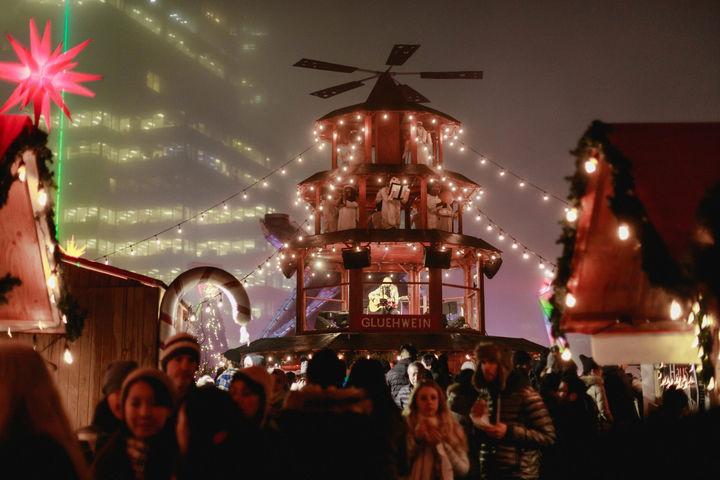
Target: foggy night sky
(550, 69)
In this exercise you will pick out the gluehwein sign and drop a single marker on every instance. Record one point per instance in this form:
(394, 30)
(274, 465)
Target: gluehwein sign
(384, 323)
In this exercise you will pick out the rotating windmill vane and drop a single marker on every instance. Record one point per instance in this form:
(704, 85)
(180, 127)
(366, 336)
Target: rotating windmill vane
(398, 56)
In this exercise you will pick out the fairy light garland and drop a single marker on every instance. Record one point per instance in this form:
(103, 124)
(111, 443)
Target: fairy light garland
(503, 171)
(200, 215)
(543, 263)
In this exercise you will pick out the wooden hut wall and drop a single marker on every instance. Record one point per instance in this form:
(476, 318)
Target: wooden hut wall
(121, 324)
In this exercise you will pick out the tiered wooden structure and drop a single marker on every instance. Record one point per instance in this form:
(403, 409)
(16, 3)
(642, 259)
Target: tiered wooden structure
(370, 143)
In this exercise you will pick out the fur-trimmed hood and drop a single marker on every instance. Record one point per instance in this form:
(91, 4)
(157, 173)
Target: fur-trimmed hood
(494, 352)
(315, 399)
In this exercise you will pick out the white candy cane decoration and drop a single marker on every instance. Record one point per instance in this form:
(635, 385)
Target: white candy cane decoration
(226, 282)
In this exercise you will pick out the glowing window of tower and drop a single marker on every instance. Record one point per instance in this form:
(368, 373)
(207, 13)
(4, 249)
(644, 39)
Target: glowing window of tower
(152, 81)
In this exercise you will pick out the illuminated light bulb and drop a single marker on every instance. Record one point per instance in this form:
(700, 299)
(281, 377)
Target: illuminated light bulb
(711, 384)
(489, 227)
(67, 356)
(270, 359)
(107, 261)
(207, 309)
(571, 215)
(265, 183)
(132, 252)
(52, 281)
(359, 138)
(157, 240)
(179, 230)
(452, 143)
(707, 321)
(502, 173)
(202, 217)
(541, 266)
(385, 116)
(522, 184)
(467, 357)
(387, 248)
(358, 117)
(492, 257)
(379, 180)
(341, 356)
(312, 188)
(591, 165)
(21, 172)
(42, 197)
(300, 238)
(623, 232)
(41, 325)
(570, 300)
(299, 159)
(433, 121)
(483, 161)
(245, 196)
(193, 318)
(220, 303)
(696, 308)
(546, 197)
(566, 354)
(478, 218)
(9, 332)
(501, 237)
(514, 246)
(282, 171)
(321, 127)
(342, 122)
(675, 310)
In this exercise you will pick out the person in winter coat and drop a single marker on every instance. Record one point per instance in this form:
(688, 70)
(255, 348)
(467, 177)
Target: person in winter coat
(397, 376)
(595, 385)
(389, 424)
(145, 446)
(461, 396)
(437, 446)
(510, 418)
(416, 373)
(107, 418)
(329, 429)
(36, 441)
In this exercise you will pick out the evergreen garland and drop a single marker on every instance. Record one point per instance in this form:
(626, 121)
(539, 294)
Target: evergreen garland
(36, 140)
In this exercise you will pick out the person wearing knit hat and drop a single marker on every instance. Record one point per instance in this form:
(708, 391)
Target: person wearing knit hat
(144, 447)
(180, 359)
(107, 417)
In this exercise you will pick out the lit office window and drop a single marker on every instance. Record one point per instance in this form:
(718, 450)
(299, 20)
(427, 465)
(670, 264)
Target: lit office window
(152, 81)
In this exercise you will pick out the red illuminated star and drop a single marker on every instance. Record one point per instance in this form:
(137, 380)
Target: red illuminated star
(43, 74)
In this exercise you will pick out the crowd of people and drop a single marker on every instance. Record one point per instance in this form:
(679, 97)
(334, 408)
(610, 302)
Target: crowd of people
(502, 416)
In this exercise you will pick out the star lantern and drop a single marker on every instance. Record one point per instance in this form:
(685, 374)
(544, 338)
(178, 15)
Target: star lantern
(43, 74)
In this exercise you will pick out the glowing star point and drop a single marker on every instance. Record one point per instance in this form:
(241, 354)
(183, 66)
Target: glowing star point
(43, 74)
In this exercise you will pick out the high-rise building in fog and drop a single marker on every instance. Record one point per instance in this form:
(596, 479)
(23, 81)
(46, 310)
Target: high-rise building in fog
(169, 134)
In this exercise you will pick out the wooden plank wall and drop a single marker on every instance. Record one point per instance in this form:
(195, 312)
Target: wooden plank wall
(122, 324)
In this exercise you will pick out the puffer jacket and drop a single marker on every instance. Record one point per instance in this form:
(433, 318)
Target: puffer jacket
(596, 389)
(397, 377)
(529, 427)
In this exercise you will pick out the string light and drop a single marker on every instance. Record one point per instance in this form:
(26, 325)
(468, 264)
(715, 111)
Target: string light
(67, 355)
(623, 232)
(591, 165)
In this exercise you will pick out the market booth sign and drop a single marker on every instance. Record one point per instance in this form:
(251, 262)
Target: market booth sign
(396, 323)
(633, 348)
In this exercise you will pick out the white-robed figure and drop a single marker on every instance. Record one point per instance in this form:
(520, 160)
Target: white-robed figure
(329, 213)
(393, 196)
(349, 212)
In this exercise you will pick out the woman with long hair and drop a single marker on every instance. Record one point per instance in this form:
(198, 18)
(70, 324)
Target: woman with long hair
(35, 434)
(145, 446)
(437, 445)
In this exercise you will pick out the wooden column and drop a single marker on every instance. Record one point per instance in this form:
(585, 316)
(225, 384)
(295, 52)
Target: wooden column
(413, 143)
(423, 203)
(460, 218)
(318, 213)
(356, 291)
(480, 298)
(414, 292)
(344, 291)
(300, 294)
(334, 147)
(368, 138)
(435, 291)
(468, 281)
(362, 193)
(439, 147)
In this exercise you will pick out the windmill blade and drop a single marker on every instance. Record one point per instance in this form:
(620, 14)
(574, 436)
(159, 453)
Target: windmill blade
(471, 75)
(332, 91)
(318, 65)
(400, 53)
(412, 95)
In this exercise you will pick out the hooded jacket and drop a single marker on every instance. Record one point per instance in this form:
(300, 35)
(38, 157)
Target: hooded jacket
(596, 389)
(512, 401)
(397, 377)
